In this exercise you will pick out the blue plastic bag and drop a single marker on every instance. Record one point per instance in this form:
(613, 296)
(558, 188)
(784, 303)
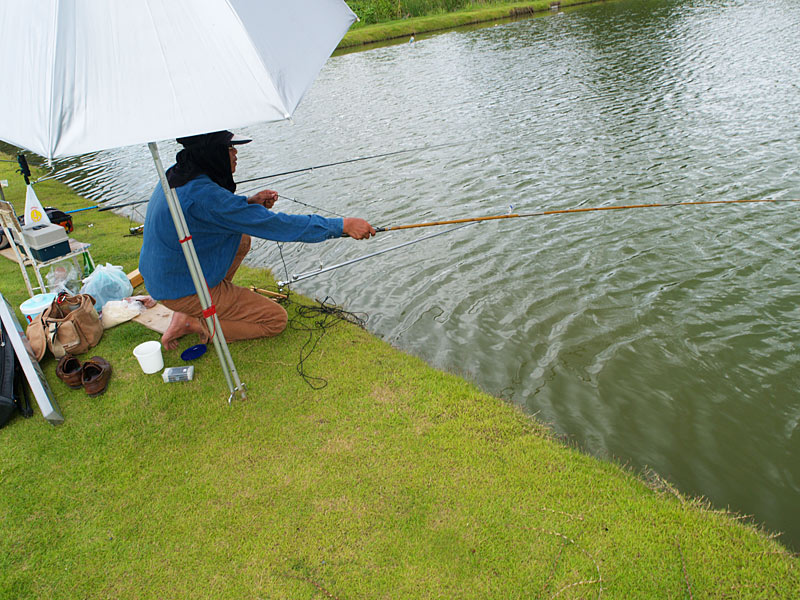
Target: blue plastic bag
(107, 282)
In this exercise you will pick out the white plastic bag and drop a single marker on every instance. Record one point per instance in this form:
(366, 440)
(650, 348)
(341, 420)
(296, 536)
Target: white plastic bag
(63, 279)
(107, 282)
(119, 311)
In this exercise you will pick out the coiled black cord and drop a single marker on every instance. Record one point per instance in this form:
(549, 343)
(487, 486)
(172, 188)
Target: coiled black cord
(316, 320)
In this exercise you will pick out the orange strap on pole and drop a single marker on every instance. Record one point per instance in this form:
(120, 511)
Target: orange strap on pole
(575, 210)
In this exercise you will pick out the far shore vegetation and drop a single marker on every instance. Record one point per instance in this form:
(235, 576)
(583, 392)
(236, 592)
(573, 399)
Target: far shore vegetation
(381, 20)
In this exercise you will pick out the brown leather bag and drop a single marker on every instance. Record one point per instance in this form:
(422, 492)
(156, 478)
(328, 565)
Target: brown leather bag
(70, 325)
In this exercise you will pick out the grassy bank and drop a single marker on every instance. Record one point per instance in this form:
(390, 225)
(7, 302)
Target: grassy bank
(394, 481)
(381, 20)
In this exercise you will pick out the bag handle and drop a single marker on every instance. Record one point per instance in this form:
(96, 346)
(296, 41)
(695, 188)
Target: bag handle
(60, 307)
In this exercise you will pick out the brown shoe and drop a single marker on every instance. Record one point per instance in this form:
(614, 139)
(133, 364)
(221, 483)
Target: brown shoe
(95, 375)
(68, 370)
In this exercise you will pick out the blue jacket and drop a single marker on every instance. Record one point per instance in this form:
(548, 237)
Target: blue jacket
(216, 219)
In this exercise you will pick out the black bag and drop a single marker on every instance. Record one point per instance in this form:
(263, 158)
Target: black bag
(58, 217)
(13, 393)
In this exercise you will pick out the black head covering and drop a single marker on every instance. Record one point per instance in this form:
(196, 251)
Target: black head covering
(204, 154)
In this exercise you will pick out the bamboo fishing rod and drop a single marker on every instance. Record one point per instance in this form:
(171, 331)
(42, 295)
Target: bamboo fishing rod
(573, 211)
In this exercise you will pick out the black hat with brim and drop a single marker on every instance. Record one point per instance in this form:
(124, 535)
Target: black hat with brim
(225, 138)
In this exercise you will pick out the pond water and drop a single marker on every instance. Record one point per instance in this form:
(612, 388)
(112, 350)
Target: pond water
(664, 338)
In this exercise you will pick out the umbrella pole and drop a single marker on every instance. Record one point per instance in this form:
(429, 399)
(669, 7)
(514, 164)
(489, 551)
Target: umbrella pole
(196, 271)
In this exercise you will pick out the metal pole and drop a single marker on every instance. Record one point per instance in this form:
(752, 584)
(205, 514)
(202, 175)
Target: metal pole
(196, 271)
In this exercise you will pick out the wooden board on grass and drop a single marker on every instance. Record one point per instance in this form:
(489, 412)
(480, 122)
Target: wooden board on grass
(156, 318)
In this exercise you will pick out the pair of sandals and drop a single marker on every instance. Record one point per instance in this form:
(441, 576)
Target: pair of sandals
(92, 375)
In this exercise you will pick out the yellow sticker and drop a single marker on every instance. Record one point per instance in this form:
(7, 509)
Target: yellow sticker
(36, 216)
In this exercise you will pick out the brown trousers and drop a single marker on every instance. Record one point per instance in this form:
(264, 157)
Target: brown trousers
(243, 314)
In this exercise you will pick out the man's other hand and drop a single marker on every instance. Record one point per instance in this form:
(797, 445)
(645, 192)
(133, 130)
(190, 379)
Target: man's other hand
(266, 198)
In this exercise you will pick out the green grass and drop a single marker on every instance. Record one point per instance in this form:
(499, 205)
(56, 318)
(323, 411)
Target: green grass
(378, 22)
(380, 11)
(394, 481)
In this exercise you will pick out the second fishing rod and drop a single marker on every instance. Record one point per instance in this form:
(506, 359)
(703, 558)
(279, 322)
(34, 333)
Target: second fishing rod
(293, 172)
(464, 222)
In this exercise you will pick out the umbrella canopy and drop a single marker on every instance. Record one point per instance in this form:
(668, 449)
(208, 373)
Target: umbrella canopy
(86, 75)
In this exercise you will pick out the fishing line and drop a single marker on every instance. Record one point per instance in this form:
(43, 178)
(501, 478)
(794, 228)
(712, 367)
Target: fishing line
(289, 175)
(319, 318)
(326, 314)
(136, 202)
(323, 316)
(352, 160)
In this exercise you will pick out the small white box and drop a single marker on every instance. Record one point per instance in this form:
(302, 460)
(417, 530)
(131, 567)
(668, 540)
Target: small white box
(45, 241)
(178, 374)
(43, 236)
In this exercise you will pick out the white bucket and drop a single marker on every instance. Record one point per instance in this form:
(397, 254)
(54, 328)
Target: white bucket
(149, 356)
(32, 307)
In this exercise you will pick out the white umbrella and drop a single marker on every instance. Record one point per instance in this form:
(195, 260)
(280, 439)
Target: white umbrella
(86, 75)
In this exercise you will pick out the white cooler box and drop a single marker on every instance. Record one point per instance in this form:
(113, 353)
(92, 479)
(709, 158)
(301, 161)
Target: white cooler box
(46, 241)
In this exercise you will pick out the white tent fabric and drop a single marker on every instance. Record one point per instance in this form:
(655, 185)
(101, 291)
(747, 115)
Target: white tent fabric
(86, 75)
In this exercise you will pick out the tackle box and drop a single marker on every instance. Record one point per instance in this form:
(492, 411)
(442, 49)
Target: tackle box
(45, 241)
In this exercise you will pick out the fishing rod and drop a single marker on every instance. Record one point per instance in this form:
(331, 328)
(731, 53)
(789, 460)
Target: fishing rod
(572, 211)
(259, 187)
(300, 276)
(344, 162)
(74, 210)
(471, 221)
(102, 208)
(293, 172)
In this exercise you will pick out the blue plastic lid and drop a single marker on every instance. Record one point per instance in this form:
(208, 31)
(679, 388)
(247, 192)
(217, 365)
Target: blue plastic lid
(193, 352)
